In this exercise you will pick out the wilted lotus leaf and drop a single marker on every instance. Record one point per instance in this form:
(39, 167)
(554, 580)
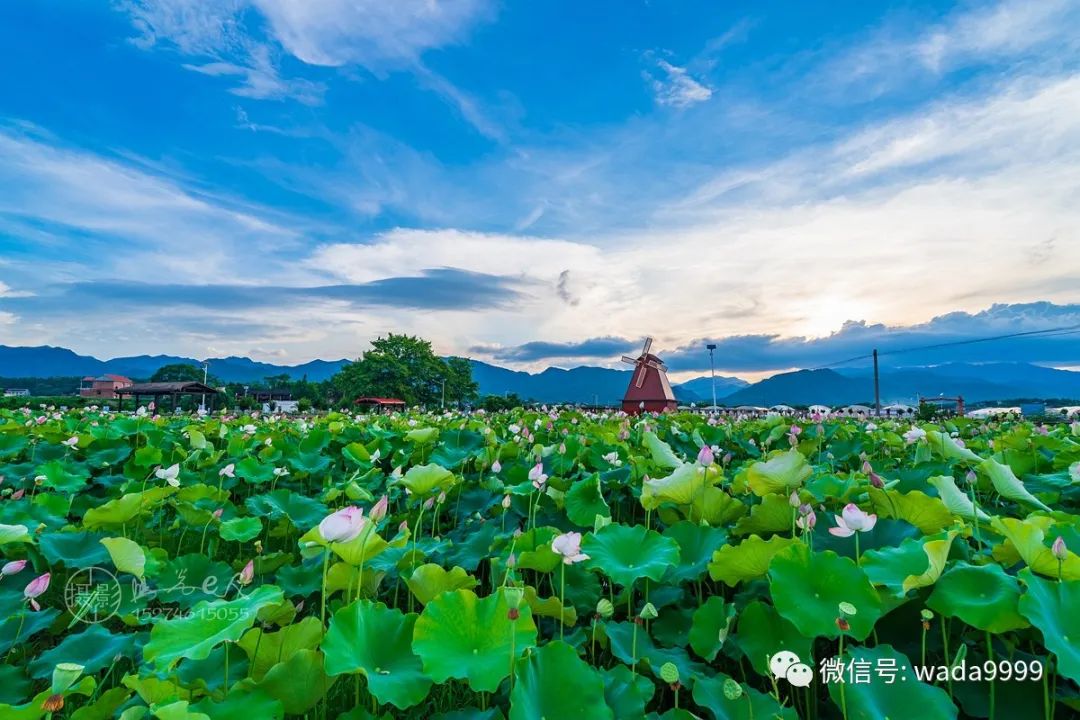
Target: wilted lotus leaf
(625, 553)
(376, 641)
(553, 682)
(462, 636)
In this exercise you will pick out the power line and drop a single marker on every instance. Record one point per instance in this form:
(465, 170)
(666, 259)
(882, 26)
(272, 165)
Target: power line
(1049, 332)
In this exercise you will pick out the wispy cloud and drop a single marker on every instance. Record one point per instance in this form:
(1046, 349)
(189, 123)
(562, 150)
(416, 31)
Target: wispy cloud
(674, 86)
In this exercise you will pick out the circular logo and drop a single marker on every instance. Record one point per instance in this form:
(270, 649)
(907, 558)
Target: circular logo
(92, 595)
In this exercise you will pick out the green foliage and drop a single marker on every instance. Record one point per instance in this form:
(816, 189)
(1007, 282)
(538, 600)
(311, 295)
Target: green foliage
(405, 367)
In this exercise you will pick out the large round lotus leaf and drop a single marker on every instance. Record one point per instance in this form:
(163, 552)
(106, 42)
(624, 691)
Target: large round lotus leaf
(916, 563)
(426, 479)
(125, 508)
(927, 513)
(982, 596)
(697, 543)
(375, 640)
(429, 581)
(74, 549)
(242, 703)
(760, 633)
(461, 636)
(553, 682)
(710, 625)
(303, 512)
(878, 699)
(585, 501)
(299, 683)
(625, 553)
(241, 529)
(681, 487)
(624, 648)
(266, 649)
(773, 514)
(94, 648)
(627, 693)
(254, 471)
(64, 477)
(807, 589)
(208, 624)
(748, 560)
(1051, 607)
(781, 474)
(749, 704)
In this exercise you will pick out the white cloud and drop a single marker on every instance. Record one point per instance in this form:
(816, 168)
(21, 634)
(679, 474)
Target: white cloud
(676, 88)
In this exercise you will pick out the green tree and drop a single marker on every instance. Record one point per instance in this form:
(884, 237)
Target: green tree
(182, 372)
(405, 367)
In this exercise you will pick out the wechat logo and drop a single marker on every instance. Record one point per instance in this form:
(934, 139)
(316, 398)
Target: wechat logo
(786, 665)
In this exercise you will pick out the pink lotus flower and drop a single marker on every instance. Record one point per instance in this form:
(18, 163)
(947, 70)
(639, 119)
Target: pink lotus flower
(379, 509)
(228, 471)
(496, 467)
(914, 435)
(343, 525)
(1058, 549)
(35, 588)
(853, 520)
(247, 574)
(808, 520)
(170, 474)
(569, 546)
(217, 513)
(72, 441)
(705, 456)
(12, 568)
(536, 474)
(793, 435)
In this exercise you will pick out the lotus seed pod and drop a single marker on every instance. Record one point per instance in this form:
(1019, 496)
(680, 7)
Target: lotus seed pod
(669, 673)
(648, 612)
(514, 596)
(732, 689)
(604, 608)
(848, 609)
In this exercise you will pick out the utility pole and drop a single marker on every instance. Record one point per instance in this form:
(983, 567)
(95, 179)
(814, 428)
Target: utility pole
(877, 387)
(205, 375)
(712, 373)
(444, 393)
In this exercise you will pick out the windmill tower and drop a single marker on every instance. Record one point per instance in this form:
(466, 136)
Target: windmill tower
(649, 389)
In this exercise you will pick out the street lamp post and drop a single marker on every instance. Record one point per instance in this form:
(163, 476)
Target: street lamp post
(205, 375)
(712, 373)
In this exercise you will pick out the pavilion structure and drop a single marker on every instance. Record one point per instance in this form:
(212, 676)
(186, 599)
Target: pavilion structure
(158, 391)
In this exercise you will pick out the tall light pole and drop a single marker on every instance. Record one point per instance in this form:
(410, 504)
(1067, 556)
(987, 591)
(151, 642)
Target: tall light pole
(712, 373)
(444, 393)
(205, 374)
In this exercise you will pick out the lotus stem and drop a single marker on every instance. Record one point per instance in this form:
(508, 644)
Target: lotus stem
(325, 565)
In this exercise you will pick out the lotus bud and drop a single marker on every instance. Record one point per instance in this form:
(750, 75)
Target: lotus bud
(705, 456)
(971, 477)
(496, 467)
(604, 608)
(429, 503)
(217, 513)
(379, 509)
(506, 502)
(511, 560)
(876, 480)
(248, 573)
(1059, 549)
(793, 499)
(12, 568)
(35, 588)
(648, 612)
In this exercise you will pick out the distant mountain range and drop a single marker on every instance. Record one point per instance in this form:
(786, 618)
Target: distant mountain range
(976, 382)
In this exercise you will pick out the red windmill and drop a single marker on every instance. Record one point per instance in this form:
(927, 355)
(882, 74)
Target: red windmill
(649, 389)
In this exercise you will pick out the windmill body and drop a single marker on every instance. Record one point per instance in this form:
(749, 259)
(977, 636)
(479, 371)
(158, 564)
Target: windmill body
(649, 389)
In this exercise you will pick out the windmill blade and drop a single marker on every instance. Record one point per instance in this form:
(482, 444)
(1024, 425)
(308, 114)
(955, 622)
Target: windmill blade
(628, 359)
(641, 376)
(648, 346)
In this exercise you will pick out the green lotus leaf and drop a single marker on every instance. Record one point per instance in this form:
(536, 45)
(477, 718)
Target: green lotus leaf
(376, 641)
(242, 703)
(626, 553)
(781, 474)
(662, 454)
(147, 456)
(266, 649)
(697, 543)
(684, 484)
(23, 625)
(807, 589)
(927, 513)
(626, 693)
(1008, 485)
(299, 683)
(715, 507)
(254, 472)
(944, 445)
(955, 500)
(1028, 541)
(459, 635)
(13, 534)
(127, 555)
(11, 445)
(553, 682)
(179, 710)
(879, 699)
(241, 529)
(710, 625)
(748, 560)
(427, 582)
(551, 607)
(982, 596)
(208, 624)
(623, 647)
(773, 514)
(125, 508)
(1051, 607)
(35, 710)
(303, 512)
(897, 568)
(64, 477)
(74, 549)
(106, 707)
(94, 648)
(425, 480)
(749, 705)
(760, 633)
(357, 454)
(585, 501)
(422, 436)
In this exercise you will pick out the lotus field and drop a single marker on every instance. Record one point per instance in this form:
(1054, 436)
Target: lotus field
(536, 564)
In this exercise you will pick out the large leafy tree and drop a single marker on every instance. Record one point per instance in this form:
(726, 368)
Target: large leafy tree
(182, 372)
(405, 367)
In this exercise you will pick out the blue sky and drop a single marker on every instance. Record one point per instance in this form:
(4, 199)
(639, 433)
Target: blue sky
(537, 183)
